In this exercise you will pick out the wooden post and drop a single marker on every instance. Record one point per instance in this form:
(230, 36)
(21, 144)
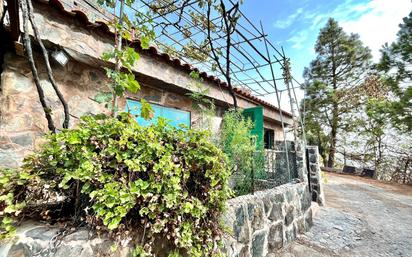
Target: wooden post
(13, 9)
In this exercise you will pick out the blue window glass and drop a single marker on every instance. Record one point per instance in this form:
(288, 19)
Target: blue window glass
(175, 117)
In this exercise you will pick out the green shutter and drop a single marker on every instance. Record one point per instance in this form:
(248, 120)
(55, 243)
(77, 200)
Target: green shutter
(256, 115)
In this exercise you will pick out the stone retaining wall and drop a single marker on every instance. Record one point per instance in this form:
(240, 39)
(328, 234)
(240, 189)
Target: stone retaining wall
(36, 239)
(315, 175)
(259, 225)
(264, 222)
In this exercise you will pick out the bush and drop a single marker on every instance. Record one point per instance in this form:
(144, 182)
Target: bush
(239, 145)
(12, 184)
(119, 177)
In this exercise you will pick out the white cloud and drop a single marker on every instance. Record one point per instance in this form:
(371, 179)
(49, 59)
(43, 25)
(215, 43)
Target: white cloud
(315, 19)
(380, 24)
(376, 22)
(299, 39)
(283, 24)
(348, 10)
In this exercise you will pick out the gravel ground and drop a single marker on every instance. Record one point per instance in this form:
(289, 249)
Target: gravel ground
(362, 218)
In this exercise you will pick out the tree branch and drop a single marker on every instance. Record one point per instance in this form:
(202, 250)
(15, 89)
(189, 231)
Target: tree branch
(29, 51)
(225, 71)
(48, 67)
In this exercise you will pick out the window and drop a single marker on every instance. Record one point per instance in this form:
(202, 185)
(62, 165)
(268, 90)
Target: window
(175, 116)
(269, 138)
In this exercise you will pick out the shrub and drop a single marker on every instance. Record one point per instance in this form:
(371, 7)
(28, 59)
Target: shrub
(237, 142)
(11, 195)
(119, 177)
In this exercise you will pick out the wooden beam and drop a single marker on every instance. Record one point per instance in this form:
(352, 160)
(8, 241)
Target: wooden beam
(13, 9)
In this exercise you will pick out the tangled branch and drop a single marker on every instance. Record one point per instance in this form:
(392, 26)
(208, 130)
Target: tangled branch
(27, 10)
(49, 70)
(29, 51)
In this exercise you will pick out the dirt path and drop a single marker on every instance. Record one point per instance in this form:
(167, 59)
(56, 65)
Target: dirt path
(362, 218)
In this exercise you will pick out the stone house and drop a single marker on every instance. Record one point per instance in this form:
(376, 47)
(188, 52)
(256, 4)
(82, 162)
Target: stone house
(78, 29)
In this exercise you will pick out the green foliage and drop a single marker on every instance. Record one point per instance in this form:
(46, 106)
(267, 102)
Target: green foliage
(239, 145)
(139, 251)
(146, 110)
(396, 63)
(11, 198)
(122, 81)
(332, 85)
(125, 58)
(118, 176)
(201, 103)
(398, 54)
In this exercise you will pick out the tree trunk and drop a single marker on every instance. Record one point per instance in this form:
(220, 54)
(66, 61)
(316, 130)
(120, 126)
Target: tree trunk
(335, 114)
(332, 146)
(48, 67)
(405, 171)
(378, 159)
(1, 10)
(29, 52)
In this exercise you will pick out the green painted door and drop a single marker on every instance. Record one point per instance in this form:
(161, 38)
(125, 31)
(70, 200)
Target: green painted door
(255, 114)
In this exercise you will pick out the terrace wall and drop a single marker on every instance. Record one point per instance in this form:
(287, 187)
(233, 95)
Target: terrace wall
(259, 225)
(268, 220)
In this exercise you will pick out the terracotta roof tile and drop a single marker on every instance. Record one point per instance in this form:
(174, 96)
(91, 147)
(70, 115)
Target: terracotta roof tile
(79, 14)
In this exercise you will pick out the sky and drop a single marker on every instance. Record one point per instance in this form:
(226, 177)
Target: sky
(295, 24)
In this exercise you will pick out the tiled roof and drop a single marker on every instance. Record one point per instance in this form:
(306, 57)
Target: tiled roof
(79, 12)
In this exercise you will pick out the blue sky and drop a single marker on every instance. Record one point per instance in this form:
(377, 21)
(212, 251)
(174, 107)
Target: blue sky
(295, 24)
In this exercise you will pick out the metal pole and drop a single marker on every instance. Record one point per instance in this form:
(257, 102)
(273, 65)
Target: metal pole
(253, 173)
(286, 76)
(301, 114)
(278, 99)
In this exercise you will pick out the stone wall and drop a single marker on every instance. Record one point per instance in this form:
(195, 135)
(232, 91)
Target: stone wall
(259, 225)
(264, 222)
(276, 165)
(315, 175)
(22, 121)
(37, 239)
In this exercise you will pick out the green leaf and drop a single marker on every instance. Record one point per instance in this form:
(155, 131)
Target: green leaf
(187, 207)
(145, 42)
(146, 110)
(103, 97)
(114, 223)
(74, 138)
(131, 84)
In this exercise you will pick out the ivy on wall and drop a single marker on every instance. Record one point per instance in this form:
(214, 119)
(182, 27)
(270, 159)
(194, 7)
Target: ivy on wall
(118, 177)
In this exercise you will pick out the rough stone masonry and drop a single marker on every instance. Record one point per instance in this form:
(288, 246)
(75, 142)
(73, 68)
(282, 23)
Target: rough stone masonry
(264, 222)
(315, 175)
(259, 226)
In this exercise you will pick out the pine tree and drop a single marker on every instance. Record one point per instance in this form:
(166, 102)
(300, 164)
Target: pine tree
(332, 82)
(396, 64)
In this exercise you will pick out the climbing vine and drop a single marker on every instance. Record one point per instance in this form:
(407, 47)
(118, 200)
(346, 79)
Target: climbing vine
(149, 183)
(125, 57)
(201, 103)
